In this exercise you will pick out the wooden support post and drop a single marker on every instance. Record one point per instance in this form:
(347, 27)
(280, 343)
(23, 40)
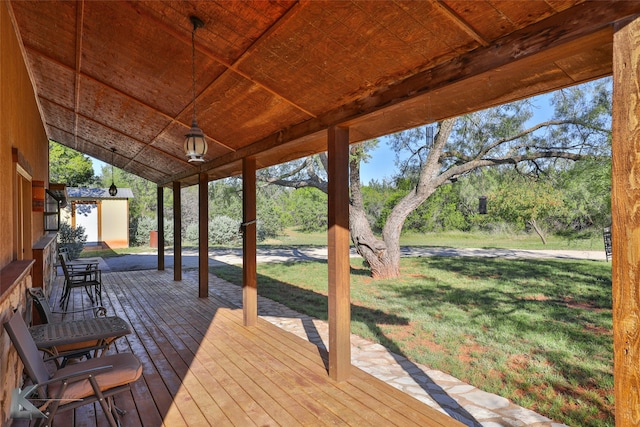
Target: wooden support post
(338, 257)
(177, 233)
(203, 235)
(249, 269)
(625, 230)
(160, 214)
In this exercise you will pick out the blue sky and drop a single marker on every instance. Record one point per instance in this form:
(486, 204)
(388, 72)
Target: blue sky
(382, 162)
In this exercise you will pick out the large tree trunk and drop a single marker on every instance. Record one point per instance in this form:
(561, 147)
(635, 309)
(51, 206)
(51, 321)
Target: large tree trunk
(383, 256)
(384, 261)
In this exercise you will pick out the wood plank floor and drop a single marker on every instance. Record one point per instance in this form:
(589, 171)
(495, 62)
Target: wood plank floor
(203, 367)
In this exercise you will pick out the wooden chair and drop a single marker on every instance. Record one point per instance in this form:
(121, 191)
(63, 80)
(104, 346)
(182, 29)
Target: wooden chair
(95, 380)
(88, 276)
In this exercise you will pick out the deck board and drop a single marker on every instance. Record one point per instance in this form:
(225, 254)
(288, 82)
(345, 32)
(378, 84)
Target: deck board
(202, 366)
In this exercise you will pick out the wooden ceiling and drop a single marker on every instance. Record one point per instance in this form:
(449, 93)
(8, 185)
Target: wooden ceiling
(272, 76)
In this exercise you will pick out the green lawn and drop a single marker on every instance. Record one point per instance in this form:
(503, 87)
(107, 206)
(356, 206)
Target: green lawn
(458, 239)
(535, 331)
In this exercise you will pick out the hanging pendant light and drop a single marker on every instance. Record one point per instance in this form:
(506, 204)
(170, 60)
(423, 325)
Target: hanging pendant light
(195, 144)
(113, 190)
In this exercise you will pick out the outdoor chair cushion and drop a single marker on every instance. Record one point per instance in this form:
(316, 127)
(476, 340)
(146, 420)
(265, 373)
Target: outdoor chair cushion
(126, 369)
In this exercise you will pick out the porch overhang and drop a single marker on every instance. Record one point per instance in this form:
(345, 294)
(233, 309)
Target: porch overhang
(273, 77)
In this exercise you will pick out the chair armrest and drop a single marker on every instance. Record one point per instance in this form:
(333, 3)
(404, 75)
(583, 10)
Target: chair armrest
(85, 273)
(86, 268)
(82, 266)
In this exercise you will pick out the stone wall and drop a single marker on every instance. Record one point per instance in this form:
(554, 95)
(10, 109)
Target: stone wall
(16, 278)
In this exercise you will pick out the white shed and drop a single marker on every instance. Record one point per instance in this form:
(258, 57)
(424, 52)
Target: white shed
(105, 218)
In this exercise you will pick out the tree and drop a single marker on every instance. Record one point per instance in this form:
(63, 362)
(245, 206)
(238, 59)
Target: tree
(432, 158)
(527, 202)
(69, 166)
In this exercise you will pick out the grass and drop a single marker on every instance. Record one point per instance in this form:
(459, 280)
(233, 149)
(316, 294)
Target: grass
(459, 239)
(535, 331)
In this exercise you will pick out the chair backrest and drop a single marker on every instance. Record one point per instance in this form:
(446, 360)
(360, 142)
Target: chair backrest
(42, 305)
(63, 264)
(27, 350)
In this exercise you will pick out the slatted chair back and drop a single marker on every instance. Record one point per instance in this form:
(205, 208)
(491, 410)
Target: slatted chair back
(63, 264)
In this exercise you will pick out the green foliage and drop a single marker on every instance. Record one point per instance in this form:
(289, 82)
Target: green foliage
(192, 234)
(375, 197)
(440, 212)
(587, 194)
(224, 230)
(143, 228)
(524, 200)
(270, 219)
(69, 166)
(72, 238)
(309, 209)
(147, 224)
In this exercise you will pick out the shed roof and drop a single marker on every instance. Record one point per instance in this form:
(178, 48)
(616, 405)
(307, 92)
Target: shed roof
(83, 193)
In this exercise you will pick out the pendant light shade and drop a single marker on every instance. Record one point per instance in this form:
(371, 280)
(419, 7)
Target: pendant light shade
(113, 190)
(195, 143)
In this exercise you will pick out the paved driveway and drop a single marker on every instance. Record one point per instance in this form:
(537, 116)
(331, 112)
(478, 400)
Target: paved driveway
(148, 261)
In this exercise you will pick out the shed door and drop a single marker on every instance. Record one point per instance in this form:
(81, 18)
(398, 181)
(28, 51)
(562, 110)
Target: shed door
(87, 217)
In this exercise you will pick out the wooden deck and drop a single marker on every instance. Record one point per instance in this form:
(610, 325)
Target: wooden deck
(203, 367)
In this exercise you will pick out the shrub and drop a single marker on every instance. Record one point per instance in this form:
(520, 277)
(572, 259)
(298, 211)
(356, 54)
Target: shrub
(224, 230)
(72, 238)
(144, 227)
(192, 234)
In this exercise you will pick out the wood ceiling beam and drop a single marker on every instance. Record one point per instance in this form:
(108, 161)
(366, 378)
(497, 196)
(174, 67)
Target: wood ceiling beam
(294, 10)
(179, 35)
(102, 147)
(42, 54)
(77, 71)
(460, 23)
(170, 119)
(544, 35)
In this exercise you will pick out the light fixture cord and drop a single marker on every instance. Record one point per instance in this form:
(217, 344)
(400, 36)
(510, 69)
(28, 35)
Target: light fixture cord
(113, 151)
(193, 69)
